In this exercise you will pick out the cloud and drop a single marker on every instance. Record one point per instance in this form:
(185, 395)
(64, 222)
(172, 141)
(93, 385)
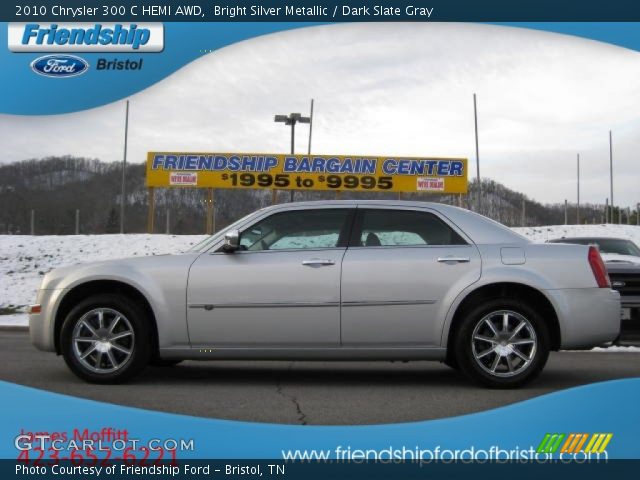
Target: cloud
(403, 89)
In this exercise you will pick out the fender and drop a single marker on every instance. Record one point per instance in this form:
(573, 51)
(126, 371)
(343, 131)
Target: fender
(497, 274)
(165, 293)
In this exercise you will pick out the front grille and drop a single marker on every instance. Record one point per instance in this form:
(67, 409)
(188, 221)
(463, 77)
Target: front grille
(631, 283)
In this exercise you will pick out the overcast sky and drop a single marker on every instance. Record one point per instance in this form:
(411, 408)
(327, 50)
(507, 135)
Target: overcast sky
(387, 89)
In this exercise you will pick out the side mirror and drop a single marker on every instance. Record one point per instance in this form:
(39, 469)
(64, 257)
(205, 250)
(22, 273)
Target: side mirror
(231, 241)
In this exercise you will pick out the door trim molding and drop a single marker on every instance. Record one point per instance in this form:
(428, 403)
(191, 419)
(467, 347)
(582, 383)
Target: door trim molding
(211, 306)
(386, 303)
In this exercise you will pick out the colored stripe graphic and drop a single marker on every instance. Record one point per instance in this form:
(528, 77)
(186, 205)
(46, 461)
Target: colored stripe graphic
(599, 443)
(550, 443)
(574, 443)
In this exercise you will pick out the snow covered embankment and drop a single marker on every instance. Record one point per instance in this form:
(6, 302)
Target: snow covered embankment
(25, 259)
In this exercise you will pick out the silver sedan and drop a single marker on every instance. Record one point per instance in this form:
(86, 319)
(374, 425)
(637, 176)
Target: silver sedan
(348, 280)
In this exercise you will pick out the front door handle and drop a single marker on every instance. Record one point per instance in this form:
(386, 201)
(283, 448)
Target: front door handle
(317, 262)
(454, 259)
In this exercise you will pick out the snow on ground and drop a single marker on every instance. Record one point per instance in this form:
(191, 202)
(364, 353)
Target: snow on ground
(542, 234)
(617, 348)
(14, 320)
(25, 259)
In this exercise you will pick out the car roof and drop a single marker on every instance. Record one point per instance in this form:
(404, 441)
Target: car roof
(480, 229)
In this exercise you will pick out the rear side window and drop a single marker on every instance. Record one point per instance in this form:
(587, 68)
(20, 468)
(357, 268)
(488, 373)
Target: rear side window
(397, 228)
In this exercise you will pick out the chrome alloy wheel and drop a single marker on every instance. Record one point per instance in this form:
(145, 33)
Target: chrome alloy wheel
(103, 340)
(504, 343)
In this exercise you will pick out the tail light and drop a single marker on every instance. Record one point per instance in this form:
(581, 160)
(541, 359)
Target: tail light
(598, 268)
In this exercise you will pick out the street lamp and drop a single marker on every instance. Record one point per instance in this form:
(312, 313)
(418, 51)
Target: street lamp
(292, 119)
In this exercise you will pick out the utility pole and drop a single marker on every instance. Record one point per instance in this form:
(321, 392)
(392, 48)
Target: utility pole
(124, 168)
(77, 221)
(475, 120)
(168, 221)
(524, 213)
(578, 204)
(33, 222)
(566, 213)
(611, 175)
(606, 211)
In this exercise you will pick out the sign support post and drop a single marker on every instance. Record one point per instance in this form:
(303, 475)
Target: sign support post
(210, 211)
(151, 211)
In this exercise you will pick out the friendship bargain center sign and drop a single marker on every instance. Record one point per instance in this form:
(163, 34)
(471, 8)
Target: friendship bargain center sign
(306, 172)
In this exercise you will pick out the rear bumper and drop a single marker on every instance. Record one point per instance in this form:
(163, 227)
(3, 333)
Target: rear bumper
(588, 317)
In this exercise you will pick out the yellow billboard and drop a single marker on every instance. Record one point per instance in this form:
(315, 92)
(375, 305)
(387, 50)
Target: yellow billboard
(307, 172)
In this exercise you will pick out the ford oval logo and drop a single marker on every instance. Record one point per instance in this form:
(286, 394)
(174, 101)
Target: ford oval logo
(59, 66)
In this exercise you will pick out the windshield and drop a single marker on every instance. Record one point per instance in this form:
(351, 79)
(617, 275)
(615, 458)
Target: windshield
(620, 247)
(206, 244)
(615, 246)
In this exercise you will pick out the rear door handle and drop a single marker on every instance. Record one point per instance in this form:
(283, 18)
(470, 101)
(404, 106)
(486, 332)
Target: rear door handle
(454, 259)
(317, 262)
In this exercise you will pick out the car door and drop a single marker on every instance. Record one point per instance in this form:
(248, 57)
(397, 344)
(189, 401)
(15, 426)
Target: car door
(402, 269)
(281, 289)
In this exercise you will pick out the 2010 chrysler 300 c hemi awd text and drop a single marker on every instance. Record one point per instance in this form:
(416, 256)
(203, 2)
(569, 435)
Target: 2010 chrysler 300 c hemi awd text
(348, 280)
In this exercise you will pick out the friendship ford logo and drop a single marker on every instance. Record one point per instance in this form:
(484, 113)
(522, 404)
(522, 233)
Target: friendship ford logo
(59, 66)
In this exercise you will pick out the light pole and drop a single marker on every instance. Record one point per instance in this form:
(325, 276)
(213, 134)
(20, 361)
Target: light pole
(578, 204)
(475, 122)
(124, 167)
(292, 119)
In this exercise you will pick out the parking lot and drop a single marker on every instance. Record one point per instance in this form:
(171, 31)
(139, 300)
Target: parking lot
(317, 393)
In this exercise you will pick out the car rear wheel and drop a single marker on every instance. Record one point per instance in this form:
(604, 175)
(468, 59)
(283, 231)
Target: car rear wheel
(105, 339)
(503, 343)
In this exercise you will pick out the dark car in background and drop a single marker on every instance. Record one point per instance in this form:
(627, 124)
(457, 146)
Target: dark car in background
(622, 259)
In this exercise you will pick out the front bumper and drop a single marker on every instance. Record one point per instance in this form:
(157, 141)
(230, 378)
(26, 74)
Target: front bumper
(41, 325)
(588, 317)
(630, 328)
(630, 301)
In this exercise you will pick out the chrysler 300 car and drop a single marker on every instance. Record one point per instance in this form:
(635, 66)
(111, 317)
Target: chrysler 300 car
(348, 280)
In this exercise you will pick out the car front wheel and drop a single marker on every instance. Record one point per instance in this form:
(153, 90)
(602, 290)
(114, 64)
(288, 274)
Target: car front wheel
(105, 339)
(503, 343)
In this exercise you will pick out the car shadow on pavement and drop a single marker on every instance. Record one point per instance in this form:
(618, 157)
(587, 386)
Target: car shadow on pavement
(308, 373)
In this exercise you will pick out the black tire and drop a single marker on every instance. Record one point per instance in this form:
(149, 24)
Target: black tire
(452, 362)
(164, 362)
(138, 344)
(511, 370)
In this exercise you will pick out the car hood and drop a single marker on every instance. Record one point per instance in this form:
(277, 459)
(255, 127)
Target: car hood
(58, 277)
(613, 258)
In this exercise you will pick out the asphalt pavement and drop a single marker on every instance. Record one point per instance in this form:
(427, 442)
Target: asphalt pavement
(319, 393)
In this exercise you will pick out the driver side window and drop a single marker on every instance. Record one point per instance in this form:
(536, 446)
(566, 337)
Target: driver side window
(296, 229)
